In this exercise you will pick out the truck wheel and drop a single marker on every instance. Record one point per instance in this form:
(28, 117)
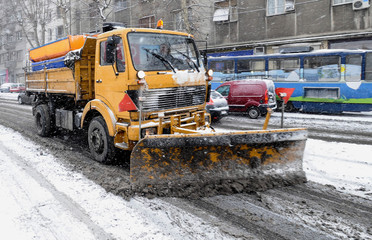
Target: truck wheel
(101, 144)
(42, 120)
(20, 100)
(253, 112)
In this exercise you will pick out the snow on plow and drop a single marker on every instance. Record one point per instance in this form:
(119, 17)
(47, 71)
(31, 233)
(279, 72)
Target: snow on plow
(257, 159)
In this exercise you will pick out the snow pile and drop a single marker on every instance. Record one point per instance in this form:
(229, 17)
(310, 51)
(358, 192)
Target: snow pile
(346, 166)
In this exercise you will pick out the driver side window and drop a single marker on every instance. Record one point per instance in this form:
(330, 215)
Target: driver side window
(110, 54)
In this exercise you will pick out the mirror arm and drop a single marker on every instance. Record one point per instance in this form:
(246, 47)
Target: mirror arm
(114, 63)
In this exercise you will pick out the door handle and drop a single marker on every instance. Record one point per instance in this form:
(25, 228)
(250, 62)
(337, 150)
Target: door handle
(98, 81)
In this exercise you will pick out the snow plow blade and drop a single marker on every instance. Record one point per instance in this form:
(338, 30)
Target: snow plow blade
(259, 160)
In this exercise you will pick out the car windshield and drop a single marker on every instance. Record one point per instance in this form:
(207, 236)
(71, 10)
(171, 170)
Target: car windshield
(154, 52)
(216, 95)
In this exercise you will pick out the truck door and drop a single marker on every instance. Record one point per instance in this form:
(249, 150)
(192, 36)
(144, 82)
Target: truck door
(110, 73)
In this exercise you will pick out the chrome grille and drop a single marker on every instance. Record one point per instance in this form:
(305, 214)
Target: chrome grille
(168, 98)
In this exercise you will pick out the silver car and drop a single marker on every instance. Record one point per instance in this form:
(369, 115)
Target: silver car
(217, 106)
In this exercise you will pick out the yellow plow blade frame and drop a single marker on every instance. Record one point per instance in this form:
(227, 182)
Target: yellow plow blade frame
(262, 159)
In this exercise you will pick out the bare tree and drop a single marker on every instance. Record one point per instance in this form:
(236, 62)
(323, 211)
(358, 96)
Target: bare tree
(103, 6)
(64, 6)
(96, 12)
(32, 16)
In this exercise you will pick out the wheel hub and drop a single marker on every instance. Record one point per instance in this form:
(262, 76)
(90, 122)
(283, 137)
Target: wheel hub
(96, 140)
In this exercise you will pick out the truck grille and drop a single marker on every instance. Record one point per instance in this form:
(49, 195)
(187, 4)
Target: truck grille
(168, 98)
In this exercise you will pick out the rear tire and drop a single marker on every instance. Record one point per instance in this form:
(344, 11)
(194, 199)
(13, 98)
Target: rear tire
(253, 112)
(101, 144)
(42, 120)
(20, 100)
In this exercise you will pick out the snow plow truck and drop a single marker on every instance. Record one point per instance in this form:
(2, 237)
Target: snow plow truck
(144, 91)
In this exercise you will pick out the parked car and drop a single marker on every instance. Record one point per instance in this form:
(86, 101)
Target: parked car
(251, 96)
(17, 87)
(5, 87)
(217, 106)
(23, 98)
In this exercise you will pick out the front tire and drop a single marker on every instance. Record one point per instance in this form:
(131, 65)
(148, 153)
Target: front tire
(101, 144)
(20, 100)
(253, 112)
(43, 120)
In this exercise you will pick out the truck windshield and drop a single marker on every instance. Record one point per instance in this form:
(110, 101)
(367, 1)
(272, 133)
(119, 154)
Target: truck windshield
(160, 52)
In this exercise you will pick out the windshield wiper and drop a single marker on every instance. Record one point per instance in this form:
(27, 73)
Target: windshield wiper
(161, 58)
(190, 60)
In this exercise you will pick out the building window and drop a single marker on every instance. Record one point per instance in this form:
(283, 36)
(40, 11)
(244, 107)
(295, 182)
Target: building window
(31, 35)
(275, 7)
(338, 2)
(19, 35)
(147, 22)
(19, 55)
(225, 11)
(50, 34)
(59, 32)
(120, 4)
(12, 56)
(59, 11)
(10, 38)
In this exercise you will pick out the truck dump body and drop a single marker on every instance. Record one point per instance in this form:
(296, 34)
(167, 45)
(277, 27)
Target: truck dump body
(76, 82)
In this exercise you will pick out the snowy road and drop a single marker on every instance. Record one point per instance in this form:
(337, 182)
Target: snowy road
(41, 199)
(52, 190)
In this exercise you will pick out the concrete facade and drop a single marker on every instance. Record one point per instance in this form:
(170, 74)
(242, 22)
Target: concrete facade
(262, 25)
(254, 23)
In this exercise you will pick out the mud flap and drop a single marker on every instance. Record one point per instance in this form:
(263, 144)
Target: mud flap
(251, 156)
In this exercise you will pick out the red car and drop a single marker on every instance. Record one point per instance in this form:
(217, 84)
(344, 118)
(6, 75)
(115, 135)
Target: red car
(17, 87)
(249, 96)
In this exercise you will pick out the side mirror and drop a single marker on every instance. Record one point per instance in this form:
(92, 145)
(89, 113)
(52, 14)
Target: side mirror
(112, 41)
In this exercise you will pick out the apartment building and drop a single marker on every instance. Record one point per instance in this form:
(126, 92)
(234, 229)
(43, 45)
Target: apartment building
(262, 26)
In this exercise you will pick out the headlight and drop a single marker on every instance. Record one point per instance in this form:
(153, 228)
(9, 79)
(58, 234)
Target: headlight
(210, 73)
(141, 74)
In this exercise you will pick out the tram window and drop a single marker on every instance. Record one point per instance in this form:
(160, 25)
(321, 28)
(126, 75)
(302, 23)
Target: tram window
(248, 68)
(353, 68)
(223, 66)
(223, 70)
(323, 68)
(368, 76)
(284, 69)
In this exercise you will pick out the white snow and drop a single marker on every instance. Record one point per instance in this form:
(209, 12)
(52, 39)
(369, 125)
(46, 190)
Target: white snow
(37, 193)
(346, 166)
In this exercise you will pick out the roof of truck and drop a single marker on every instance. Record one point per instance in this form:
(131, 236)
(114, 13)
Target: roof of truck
(149, 30)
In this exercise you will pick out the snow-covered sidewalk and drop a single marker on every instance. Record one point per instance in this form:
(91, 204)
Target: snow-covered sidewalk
(41, 199)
